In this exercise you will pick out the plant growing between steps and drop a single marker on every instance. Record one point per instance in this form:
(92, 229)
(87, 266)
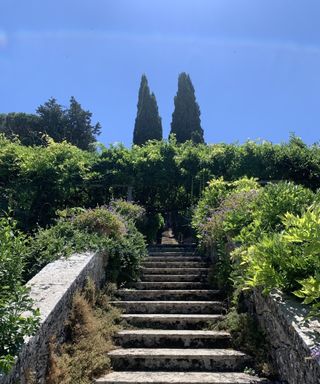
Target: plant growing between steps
(92, 324)
(247, 336)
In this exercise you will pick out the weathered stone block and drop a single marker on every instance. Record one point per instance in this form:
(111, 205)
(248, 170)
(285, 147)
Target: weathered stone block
(291, 337)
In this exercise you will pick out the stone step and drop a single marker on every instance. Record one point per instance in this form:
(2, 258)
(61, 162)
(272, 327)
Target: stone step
(171, 321)
(179, 378)
(167, 294)
(176, 278)
(175, 271)
(171, 248)
(160, 338)
(174, 264)
(175, 258)
(170, 285)
(172, 359)
(172, 307)
(172, 254)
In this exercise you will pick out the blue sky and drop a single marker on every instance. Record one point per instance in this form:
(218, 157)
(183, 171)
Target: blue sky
(255, 64)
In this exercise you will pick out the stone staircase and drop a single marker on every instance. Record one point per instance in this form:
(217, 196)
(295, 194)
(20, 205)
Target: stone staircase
(167, 311)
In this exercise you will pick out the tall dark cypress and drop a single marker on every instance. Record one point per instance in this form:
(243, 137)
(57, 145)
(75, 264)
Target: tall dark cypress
(148, 124)
(186, 124)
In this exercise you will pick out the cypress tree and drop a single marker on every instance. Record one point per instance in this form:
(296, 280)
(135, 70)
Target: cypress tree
(148, 124)
(186, 124)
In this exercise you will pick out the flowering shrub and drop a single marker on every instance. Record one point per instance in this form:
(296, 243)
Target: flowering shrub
(266, 237)
(315, 354)
(220, 199)
(101, 221)
(99, 229)
(127, 210)
(230, 210)
(221, 207)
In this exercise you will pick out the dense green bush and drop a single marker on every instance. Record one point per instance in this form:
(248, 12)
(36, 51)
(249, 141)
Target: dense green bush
(165, 176)
(15, 323)
(126, 255)
(99, 229)
(288, 260)
(263, 237)
(128, 210)
(60, 240)
(152, 227)
(100, 221)
(35, 182)
(226, 207)
(274, 201)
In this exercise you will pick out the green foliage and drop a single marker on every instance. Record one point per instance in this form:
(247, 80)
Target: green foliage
(15, 323)
(222, 212)
(78, 129)
(148, 124)
(274, 201)
(60, 240)
(24, 126)
(99, 229)
(151, 227)
(211, 198)
(224, 208)
(38, 181)
(127, 210)
(310, 292)
(186, 123)
(100, 221)
(126, 255)
(288, 260)
(72, 124)
(263, 237)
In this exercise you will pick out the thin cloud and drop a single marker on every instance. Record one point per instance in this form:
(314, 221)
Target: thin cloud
(3, 39)
(222, 42)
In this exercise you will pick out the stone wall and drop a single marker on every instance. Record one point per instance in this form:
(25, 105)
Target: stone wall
(292, 338)
(52, 290)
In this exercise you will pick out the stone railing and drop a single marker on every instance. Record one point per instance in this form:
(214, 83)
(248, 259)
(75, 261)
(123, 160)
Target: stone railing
(52, 290)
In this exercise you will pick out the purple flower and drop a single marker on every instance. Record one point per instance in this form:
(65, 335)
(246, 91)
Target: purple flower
(315, 353)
